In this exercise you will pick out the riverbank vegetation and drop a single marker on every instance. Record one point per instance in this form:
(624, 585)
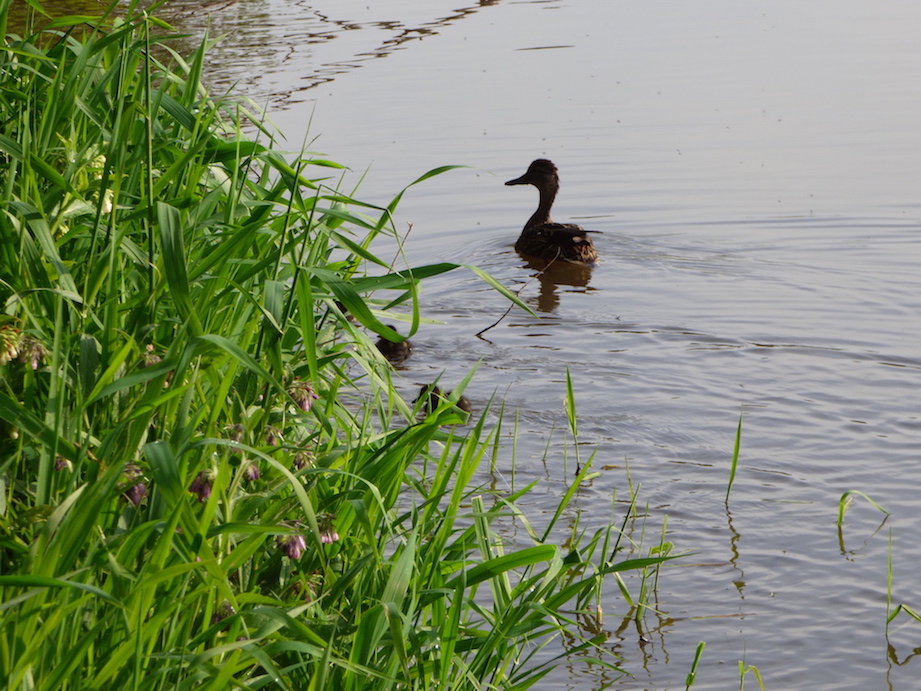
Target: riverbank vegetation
(207, 477)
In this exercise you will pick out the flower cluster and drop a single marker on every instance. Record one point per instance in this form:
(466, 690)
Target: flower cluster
(221, 612)
(150, 357)
(202, 484)
(235, 432)
(13, 344)
(328, 533)
(31, 351)
(132, 485)
(251, 471)
(272, 435)
(303, 394)
(303, 459)
(10, 340)
(292, 545)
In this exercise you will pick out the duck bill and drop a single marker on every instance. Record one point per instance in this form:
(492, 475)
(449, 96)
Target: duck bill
(519, 181)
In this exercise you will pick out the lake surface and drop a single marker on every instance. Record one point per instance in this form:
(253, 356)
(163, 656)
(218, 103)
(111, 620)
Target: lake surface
(756, 171)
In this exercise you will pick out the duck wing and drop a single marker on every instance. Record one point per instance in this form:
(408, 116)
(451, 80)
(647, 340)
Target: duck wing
(565, 232)
(565, 241)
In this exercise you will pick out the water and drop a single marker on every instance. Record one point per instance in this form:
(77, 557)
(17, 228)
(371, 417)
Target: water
(755, 170)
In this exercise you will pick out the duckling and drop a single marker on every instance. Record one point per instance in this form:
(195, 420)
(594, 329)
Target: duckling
(433, 396)
(395, 352)
(541, 237)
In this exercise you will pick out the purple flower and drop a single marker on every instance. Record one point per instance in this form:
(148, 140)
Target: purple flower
(136, 493)
(272, 436)
(302, 459)
(292, 545)
(31, 351)
(61, 463)
(251, 472)
(328, 533)
(224, 610)
(303, 394)
(202, 484)
(132, 485)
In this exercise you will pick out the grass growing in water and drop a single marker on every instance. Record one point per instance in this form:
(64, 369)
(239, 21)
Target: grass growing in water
(734, 464)
(185, 497)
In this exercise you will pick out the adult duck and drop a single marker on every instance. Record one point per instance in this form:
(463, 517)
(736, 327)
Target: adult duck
(541, 237)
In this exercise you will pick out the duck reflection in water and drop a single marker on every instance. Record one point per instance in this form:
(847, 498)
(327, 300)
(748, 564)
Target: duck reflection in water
(563, 254)
(553, 274)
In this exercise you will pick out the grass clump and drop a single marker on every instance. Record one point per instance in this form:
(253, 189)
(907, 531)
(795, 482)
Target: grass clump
(206, 476)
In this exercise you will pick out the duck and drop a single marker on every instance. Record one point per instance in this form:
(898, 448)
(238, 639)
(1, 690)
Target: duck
(395, 352)
(432, 396)
(541, 237)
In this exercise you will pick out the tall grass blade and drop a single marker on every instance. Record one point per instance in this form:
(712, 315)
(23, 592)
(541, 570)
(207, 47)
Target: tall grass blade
(735, 458)
(692, 675)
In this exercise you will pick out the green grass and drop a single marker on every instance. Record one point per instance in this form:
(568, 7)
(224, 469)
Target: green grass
(734, 463)
(207, 479)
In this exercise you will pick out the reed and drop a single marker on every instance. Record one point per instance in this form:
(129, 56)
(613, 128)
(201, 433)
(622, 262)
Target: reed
(744, 669)
(207, 478)
(692, 674)
(734, 462)
(845, 501)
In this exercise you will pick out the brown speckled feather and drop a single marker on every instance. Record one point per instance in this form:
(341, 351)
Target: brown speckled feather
(557, 241)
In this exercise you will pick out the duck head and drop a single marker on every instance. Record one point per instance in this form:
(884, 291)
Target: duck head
(541, 173)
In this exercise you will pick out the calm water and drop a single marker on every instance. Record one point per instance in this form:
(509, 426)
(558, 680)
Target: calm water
(756, 171)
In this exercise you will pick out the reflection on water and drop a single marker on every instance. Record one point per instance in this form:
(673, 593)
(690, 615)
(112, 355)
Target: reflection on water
(551, 275)
(23, 17)
(269, 50)
(277, 52)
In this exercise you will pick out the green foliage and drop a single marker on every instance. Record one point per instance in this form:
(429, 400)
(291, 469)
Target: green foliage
(847, 499)
(743, 672)
(206, 477)
(734, 464)
(692, 675)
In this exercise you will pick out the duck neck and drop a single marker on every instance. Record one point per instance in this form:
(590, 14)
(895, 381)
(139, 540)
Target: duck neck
(542, 215)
